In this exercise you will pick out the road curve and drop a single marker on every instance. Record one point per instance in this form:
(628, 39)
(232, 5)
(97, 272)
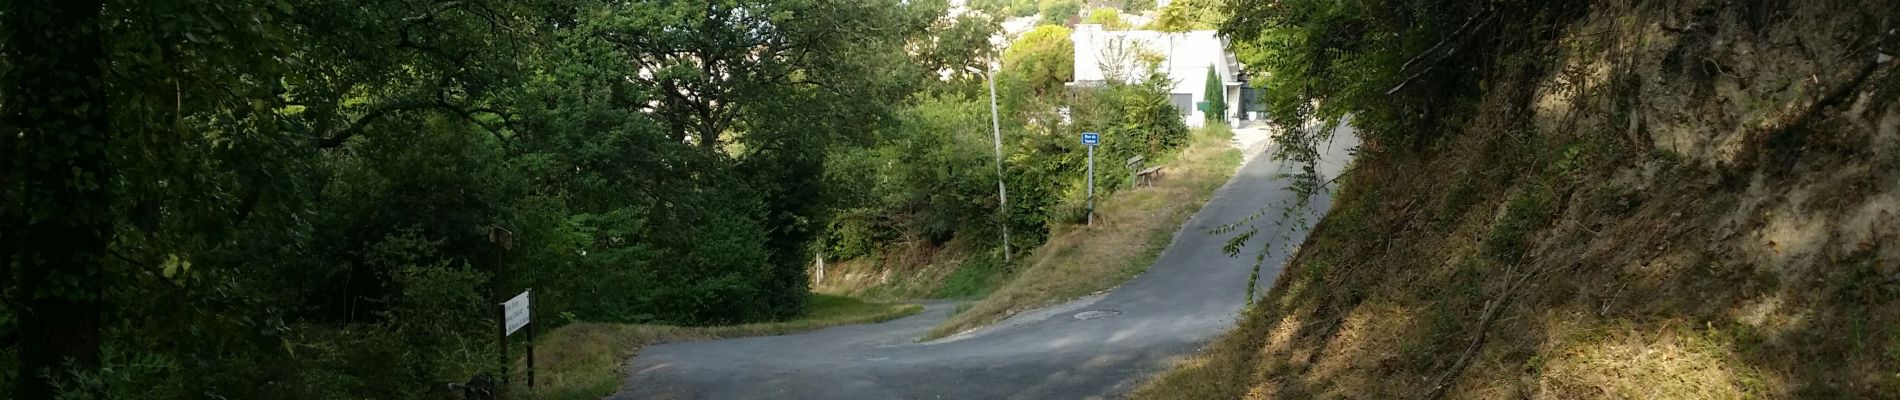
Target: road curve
(1093, 347)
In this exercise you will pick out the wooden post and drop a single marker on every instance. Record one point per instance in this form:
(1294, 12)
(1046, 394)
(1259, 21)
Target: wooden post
(818, 278)
(1134, 170)
(532, 324)
(501, 332)
(504, 240)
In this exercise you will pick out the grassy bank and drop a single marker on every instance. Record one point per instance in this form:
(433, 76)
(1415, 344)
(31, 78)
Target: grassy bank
(952, 271)
(1559, 249)
(583, 360)
(915, 270)
(1131, 228)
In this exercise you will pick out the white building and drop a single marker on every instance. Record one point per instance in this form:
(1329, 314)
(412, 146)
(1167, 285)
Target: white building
(1102, 55)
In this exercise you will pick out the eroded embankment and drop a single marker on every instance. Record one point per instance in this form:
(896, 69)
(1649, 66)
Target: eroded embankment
(1689, 200)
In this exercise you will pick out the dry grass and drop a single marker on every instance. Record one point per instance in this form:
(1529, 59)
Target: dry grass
(1622, 362)
(900, 271)
(1645, 272)
(584, 360)
(1131, 228)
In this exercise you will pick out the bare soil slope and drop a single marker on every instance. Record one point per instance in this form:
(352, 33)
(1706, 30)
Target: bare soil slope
(1694, 199)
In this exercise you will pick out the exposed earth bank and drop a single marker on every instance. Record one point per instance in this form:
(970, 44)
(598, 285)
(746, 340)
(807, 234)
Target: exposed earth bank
(1673, 200)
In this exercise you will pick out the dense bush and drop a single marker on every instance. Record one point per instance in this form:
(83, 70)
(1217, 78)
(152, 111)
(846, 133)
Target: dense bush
(293, 199)
(1034, 69)
(930, 177)
(1404, 70)
(1189, 15)
(1134, 119)
(1059, 12)
(1108, 18)
(1133, 6)
(300, 192)
(1008, 8)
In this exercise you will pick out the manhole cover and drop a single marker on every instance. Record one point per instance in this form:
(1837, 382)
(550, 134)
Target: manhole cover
(1096, 314)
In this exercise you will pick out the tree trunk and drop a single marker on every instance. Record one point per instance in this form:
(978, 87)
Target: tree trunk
(55, 104)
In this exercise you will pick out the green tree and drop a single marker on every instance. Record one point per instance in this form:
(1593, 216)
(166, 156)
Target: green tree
(711, 62)
(1036, 66)
(1216, 95)
(1059, 12)
(1108, 18)
(1406, 71)
(928, 178)
(1398, 67)
(1188, 15)
(959, 49)
(1134, 6)
(764, 88)
(57, 187)
(1006, 8)
(288, 199)
(1133, 118)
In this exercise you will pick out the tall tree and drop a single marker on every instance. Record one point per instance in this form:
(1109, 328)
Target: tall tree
(1036, 65)
(1216, 94)
(289, 196)
(1108, 18)
(764, 88)
(55, 116)
(1059, 12)
(712, 60)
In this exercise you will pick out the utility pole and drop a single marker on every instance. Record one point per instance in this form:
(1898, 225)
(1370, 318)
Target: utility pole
(996, 134)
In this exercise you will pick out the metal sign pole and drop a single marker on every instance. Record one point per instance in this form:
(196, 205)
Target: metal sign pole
(1091, 139)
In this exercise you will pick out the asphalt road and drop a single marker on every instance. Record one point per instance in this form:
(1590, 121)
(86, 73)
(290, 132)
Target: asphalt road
(1095, 347)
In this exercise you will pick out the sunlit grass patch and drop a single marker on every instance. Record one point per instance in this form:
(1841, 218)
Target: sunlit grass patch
(1623, 362)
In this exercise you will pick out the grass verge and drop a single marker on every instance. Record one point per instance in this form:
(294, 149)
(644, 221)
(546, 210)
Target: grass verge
(913, 270)
(1131, 229)
(583, 360)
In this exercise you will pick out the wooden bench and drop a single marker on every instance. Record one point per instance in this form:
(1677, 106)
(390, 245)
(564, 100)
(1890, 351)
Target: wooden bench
(1141, 175)
(1148, 176)
(1134, 168)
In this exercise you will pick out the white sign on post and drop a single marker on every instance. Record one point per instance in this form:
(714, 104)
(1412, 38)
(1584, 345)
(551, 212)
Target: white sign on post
(514, 313)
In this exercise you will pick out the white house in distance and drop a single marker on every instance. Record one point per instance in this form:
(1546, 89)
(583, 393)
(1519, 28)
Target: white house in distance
(1103, 54)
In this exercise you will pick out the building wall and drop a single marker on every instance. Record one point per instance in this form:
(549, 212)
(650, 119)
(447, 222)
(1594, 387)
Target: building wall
(1187, 58)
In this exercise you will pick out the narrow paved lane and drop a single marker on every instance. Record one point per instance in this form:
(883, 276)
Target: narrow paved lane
(1088, 348)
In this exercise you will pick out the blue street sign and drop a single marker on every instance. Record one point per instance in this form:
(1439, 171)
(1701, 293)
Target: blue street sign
(1091, 138)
